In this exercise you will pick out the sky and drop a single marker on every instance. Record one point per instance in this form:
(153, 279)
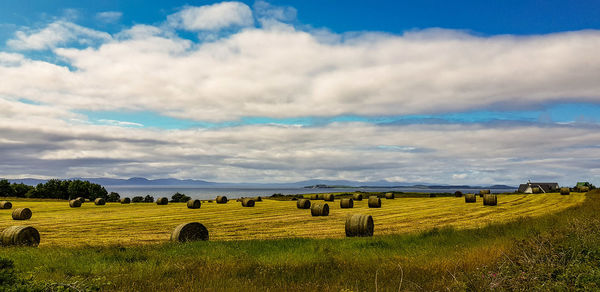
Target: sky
(448, 92)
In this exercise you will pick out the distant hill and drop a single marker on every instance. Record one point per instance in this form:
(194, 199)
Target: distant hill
(140, 181)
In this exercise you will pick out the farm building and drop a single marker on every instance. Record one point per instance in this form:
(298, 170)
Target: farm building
(544, 187)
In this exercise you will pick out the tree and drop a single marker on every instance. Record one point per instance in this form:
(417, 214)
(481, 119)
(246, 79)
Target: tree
(148, 199)
(78, 188)
(97, 191)
(113, 197)
(21, 189)
(177, 197)
(5, 189)
(137, 199)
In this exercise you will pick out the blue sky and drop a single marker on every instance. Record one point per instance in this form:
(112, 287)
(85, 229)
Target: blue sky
(204, 69)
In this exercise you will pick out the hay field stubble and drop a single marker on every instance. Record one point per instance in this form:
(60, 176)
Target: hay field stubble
(145, 223)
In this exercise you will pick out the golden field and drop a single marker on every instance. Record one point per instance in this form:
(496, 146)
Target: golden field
(145, 223)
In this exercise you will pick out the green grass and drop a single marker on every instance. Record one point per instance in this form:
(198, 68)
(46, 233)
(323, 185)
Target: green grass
(554, 251)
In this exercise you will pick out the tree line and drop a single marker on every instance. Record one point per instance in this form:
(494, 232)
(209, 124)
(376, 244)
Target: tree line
(54, 189)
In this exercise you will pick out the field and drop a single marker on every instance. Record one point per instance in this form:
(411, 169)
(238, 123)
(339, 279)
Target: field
(145, 223)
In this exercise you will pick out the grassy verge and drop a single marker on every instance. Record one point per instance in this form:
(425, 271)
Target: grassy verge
(558, 251)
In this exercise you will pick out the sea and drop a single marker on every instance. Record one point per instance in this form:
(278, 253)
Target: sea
(206, 193)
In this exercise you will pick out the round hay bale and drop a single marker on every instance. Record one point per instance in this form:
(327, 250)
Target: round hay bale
(100, 201)
(74, 203)
(189, 232)
(81, 199)
(490, 200)
(346, 203)
(20, 235)
(389, 196)
(470, 198)
(359, 225)
(194, 204)
(21, 214)
(483, 192)
(5, 205)
(565, 191)
(536, 190)
(314, 197)
(248, 202)
(321, 209)
(458, 194)
(320, 196)
(328, 197)
(357, 197)
(125, 201)
(221, 200)
(162, 201)
(374, 202)
(257, 199)
(303, 204)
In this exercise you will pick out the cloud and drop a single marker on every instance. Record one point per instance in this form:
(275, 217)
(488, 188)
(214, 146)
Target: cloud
(44, 141)
(55, 34)
(109, 16)
(301, 74)
(212, 17)
(120, 123)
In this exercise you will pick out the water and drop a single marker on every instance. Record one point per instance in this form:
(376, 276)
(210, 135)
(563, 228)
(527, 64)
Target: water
(210, 193)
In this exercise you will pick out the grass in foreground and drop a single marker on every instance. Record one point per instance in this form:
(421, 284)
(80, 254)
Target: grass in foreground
(143, 223)
(559, 251)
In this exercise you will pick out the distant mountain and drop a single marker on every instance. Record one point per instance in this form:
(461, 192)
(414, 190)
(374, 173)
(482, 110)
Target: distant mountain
(140, 181)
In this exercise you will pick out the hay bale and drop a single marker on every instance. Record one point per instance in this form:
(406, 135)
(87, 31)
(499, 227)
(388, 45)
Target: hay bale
(125, 200)
(374, 202)
(303, 204)
(346, 203)
(221, 200)
(81, 199)
(328, 197)
(357, 197)
(100, 201)
(5, 205)
(458, 194)
(565, 191)
(321, 209)
(21, 214)
(20, 235)
(389, 196)
(490, 200)
(359, 225)
(162, 201)
(74, 203)
(314, 197)
(536, 190)
(257, 199)
(248, 202)
(320, 196)
(189, 232)
(194, 204)
(483, 192)
(470, 198)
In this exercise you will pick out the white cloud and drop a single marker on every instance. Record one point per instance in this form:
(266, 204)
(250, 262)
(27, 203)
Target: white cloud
(289, 73)
(120, 123)
(212, 17)
(56, 34)
(109, 16)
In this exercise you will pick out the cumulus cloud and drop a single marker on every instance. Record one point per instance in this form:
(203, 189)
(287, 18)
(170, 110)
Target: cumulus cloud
(55, 34)
(212, 17)
(109, 16)
(299, 74)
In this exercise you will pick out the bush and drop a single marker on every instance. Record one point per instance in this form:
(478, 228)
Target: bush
(113, 197)
(177, 197)
(148, 199)
(137, 199)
